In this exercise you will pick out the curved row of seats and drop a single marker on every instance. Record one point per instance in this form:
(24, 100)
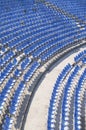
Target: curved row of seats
(10, 101)
(30, 36)
(76, 8)
(7, 5)
(12, 37)
(66, 108)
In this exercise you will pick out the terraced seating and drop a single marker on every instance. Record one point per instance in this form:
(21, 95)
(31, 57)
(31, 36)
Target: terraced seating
(13, 5)
(5, 95)
(79, 97)
(31, 35)
(65, 111)
(7, 70)
(10, 90)
(80, 56)
(8, 123)
(31, 47)
(75, 8)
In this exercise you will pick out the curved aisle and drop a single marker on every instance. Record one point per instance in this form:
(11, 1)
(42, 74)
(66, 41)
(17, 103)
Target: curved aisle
(31, 36)
(67, 106)
(38, 111)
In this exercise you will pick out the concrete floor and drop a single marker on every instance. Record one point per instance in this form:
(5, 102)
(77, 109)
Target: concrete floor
(38, 112)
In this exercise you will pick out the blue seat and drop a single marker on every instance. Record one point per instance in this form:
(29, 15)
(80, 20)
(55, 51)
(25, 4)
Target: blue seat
(52, 108)
(7, 125)
(17, 73)
(31, 71)
(78, 105)
(39, 32)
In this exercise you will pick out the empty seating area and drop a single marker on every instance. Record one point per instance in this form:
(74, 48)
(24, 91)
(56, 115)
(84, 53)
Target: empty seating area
(34, 35)
(67, 104)
(75, 8)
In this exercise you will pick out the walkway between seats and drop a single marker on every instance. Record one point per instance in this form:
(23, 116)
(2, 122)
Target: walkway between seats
(38, 112)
